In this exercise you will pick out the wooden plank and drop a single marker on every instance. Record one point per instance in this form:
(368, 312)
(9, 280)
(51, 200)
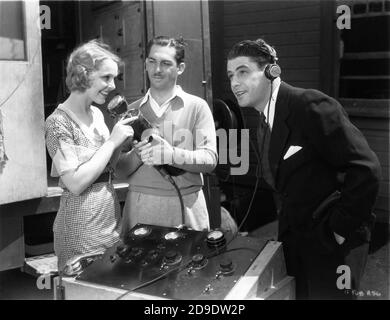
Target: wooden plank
(382, 156)
(384, 188)
(377, 143)
(382, 203)
(292, 75)
(380, 125)
(380, 134)
(366, 55)
(250, 6)
(306, 84)
(365, 103)
(227, 94)
(287, 14)
(278, 39)
(309, 50)
(373, 112)
(51, 202)
(385, 172)
(300, 63)
(257, 29)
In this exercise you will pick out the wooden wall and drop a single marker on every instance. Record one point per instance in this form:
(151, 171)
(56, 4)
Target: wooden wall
(376, 131)
(293, 28)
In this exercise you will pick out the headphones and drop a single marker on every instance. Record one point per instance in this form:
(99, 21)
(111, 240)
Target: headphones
(272, 70)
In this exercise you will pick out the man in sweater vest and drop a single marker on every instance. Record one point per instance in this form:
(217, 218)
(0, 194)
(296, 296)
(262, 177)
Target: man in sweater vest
(183, 139)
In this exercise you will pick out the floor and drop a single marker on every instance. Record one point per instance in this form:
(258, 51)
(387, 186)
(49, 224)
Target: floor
(17, 285)
(375, 284)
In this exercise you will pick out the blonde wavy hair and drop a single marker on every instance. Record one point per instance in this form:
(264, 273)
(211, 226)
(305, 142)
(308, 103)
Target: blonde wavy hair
(84, 60)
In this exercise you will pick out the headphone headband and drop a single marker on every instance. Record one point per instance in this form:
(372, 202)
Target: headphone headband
(267, 49)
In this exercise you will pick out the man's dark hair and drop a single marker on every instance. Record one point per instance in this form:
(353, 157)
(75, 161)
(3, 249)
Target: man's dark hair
(164, 41)
(261, 52)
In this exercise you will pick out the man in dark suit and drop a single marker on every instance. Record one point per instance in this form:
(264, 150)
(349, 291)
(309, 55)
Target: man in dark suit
(308, 150)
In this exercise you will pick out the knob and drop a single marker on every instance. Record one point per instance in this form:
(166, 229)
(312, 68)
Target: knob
(121, 250)
(198, 258)
(152, 254)
(226, 267)
(120, 32)
(129, 259)
(226, 264)
(144, 263)
(160, 246)
(216, 239)
(198, 261)
(171, 255)
(135, 252)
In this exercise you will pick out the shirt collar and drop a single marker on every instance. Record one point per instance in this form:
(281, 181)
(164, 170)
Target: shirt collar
(271, 112)
(178, 91)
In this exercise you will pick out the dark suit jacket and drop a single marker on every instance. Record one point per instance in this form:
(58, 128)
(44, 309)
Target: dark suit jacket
(331, 145)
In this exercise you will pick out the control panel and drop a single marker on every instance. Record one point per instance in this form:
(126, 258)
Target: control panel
(174, 263)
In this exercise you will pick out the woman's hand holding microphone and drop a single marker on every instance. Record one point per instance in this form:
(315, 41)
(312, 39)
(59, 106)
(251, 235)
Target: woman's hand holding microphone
(122, 132)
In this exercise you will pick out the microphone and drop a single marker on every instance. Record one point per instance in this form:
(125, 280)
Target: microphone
(118, 107)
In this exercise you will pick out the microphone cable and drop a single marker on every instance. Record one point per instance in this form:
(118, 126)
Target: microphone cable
(168, 177)
(164, 173)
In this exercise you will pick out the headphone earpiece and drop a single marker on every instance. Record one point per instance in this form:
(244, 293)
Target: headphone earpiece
(272, 71)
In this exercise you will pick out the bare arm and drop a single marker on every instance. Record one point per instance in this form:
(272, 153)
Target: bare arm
(81, 178)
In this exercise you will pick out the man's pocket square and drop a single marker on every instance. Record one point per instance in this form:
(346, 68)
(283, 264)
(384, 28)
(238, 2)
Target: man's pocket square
(291, 151)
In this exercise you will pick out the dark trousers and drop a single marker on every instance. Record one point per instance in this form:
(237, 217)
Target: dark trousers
(316, 270)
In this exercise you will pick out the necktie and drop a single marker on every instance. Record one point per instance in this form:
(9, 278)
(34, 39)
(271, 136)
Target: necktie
(263, 139)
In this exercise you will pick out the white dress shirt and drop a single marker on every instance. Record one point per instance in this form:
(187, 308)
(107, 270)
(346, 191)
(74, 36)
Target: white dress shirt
(271, 113)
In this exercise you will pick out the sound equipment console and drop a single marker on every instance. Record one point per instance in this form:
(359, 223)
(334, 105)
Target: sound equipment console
(175, 263)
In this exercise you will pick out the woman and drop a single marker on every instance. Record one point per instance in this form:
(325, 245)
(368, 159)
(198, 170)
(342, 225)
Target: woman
(83, 150)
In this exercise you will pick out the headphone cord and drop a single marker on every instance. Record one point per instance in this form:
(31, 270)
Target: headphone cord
(259, 162)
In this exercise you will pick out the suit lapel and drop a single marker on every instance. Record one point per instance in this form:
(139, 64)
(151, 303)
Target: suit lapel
(280, 129)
